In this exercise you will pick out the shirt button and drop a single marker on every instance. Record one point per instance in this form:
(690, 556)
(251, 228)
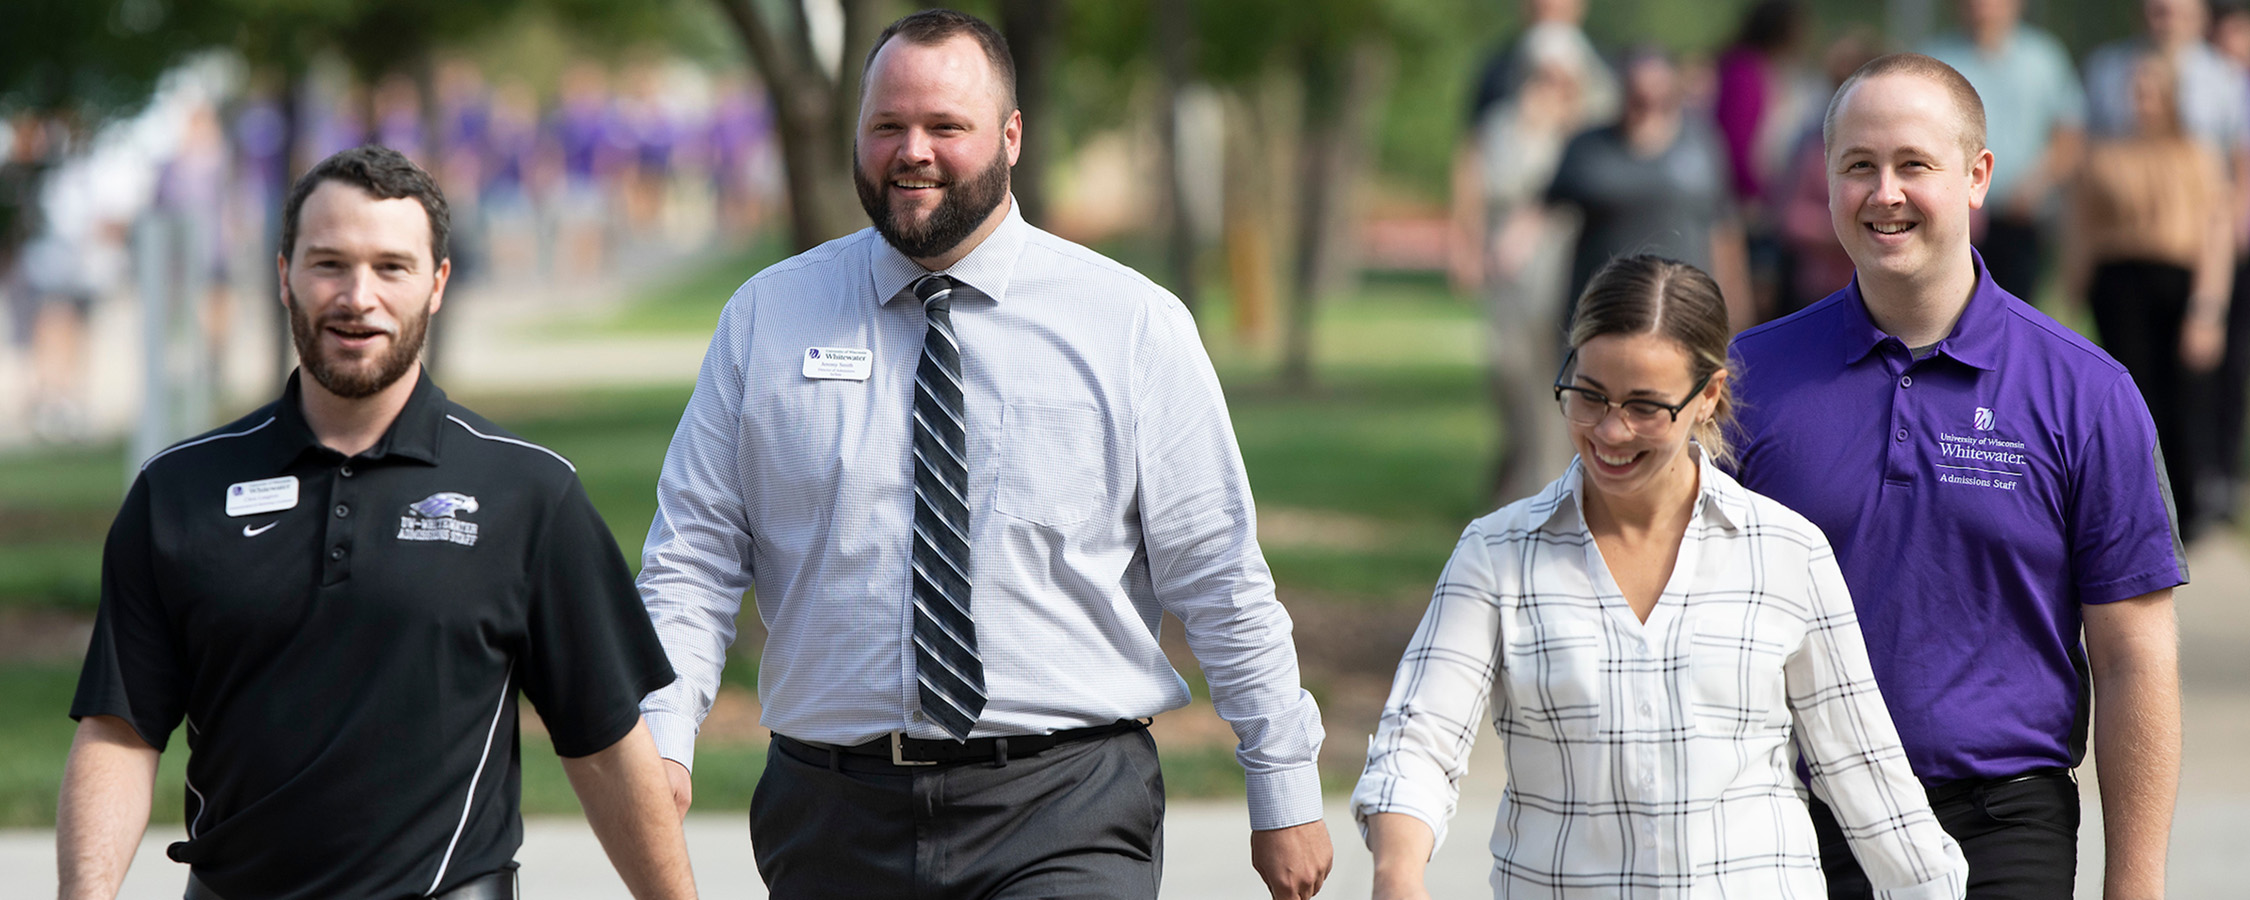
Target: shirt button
(1902, 435)
(1906, 381)
(1646, 709)
(343, 509)
(346, 471)
(336, 553)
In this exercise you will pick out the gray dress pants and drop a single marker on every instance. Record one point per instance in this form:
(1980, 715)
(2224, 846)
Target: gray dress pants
(1081, 820)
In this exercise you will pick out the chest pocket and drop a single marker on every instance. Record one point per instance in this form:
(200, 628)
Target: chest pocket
(1553, 676)
(1051, 463)
(1735, 658)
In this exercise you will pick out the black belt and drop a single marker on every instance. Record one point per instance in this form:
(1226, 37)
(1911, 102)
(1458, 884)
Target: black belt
(499, 885)
(900, 750)
(1954, 790)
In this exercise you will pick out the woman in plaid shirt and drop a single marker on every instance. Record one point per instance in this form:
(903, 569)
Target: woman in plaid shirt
(1654, 639)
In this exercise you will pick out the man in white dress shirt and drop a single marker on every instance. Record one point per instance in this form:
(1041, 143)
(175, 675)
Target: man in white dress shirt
(967, 466)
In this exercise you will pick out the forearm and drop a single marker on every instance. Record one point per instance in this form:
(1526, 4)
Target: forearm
(1730, 267)
(1402, 845)
(2213, 283)
(2052, 169)
(628, 801)
(2136, 739)
(103, 809)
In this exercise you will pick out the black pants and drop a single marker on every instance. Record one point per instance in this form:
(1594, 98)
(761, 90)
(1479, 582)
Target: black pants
(2020, 836)
(2011, 251)
(2139, 307)
(2230, 397)
(1081, 820)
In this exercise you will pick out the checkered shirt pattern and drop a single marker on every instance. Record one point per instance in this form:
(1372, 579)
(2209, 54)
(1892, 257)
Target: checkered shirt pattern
(1653, 760)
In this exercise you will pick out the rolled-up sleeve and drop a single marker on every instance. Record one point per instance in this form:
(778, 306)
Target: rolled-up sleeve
(696, 564)
(1421, 746)
(1199, 529)
(1858, 765)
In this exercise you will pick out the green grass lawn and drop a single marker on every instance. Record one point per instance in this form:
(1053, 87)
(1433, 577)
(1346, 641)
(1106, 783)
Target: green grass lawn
(1392, 438)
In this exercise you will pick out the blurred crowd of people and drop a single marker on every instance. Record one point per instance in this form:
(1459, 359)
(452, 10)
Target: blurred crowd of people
(2120, 195)
(547, 182)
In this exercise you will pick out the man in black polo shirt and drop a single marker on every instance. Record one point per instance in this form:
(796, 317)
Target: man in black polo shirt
(342, 595)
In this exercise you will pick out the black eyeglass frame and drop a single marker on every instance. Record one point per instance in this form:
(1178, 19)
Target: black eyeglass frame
(1671, 409)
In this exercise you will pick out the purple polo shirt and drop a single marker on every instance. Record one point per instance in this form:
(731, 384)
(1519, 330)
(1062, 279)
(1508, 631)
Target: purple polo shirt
(1975, 498)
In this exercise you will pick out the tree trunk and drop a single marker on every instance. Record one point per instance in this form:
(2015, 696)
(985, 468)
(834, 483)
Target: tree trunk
(1173, 31)
(1034, 32)
(1341, 92)
(815, 109)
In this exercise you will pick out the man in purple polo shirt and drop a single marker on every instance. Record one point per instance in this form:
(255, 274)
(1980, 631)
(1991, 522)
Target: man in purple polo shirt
(1991, 484)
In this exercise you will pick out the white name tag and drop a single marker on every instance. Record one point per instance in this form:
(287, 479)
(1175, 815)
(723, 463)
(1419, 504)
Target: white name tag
(249, 498)
(838, 362)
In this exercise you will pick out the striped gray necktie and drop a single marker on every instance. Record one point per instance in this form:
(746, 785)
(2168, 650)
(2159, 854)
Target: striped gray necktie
(946, 665)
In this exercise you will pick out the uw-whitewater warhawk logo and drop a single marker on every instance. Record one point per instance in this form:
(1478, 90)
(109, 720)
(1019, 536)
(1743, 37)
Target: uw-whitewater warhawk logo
(1983, 419)
(438, 518)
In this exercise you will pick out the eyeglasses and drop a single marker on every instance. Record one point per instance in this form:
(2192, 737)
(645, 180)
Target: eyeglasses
(1647, 418)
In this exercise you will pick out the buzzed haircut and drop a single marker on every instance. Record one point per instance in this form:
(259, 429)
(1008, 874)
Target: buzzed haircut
(1965, 99)
(382, 172)
(932, 27)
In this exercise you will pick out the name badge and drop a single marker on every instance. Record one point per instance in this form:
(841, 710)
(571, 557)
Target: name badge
(249, 498)
(838, 363)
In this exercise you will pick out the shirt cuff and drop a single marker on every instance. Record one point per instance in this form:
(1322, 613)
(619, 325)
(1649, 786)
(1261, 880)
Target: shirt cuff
(1951, 887)
(1284, 798)
(674, 734)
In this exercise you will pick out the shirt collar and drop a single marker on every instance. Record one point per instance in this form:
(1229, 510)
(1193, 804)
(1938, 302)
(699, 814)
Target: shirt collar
(1719, 498)
(1976, 338)
(986, 269)
(413, 435)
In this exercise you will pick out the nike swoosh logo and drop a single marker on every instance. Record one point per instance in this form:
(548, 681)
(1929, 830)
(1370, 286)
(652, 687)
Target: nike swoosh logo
(248, 531)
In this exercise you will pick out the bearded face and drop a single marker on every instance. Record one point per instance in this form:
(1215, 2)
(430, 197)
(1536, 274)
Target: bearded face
(964, 205)
(355, 374)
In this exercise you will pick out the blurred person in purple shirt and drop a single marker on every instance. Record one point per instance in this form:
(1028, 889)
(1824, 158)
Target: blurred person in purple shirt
(1993, 488)
(739, 128)
(586, 136)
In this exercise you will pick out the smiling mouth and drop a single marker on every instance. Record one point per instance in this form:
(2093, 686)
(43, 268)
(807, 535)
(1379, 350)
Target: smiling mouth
(357, 333)
(1617, 462)
(1891, 227)
(915, 184)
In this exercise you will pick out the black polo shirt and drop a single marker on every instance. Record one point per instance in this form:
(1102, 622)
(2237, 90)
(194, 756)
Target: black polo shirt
(346, 639)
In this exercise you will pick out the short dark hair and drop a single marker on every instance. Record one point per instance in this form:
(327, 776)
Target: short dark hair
(1647, 294)
(1964, 95)
(381, 171)
(932, 27)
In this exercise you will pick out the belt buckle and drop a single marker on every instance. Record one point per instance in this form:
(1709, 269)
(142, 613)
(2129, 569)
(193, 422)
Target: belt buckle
(898, 757)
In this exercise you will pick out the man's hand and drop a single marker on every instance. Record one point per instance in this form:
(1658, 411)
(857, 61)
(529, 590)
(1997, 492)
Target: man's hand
(1294, 860)
(683, 785)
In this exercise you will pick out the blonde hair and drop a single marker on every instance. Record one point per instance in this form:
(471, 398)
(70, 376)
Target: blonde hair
(1649, 294)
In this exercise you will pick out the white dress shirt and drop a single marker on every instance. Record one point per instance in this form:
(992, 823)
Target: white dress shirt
(1105, 488)
(1654, 759)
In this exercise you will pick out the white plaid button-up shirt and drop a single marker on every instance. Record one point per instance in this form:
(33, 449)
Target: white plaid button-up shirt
(1653, 759)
